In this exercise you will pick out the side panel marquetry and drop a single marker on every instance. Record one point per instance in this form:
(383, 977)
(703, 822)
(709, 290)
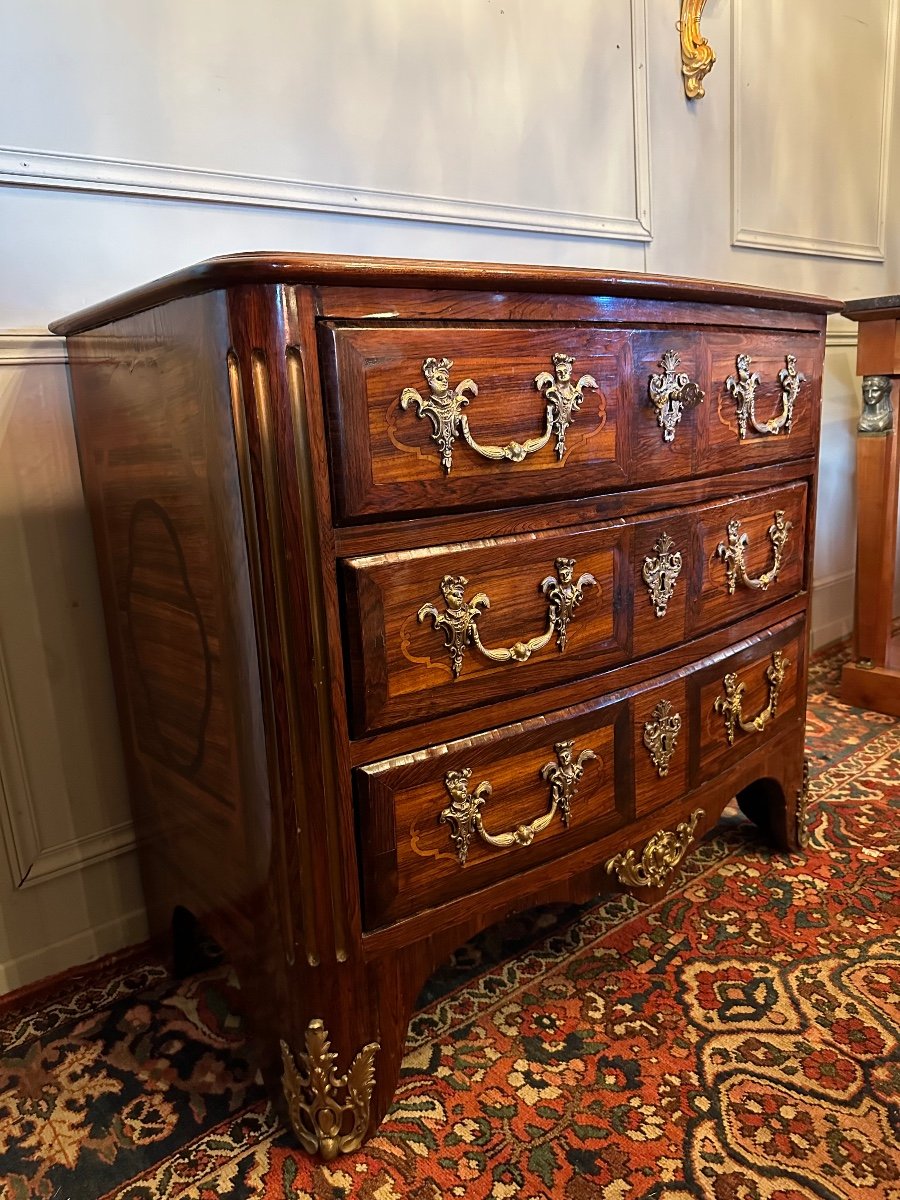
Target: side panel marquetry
(161, 474)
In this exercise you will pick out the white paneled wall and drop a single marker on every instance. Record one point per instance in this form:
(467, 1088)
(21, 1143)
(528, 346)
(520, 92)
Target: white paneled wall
(138, 139)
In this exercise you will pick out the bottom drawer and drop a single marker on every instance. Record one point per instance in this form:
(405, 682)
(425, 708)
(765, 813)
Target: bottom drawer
(455, 818)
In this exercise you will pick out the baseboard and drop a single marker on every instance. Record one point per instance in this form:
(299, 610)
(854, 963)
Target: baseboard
(34, 995)
(832, 608)
(84, 947)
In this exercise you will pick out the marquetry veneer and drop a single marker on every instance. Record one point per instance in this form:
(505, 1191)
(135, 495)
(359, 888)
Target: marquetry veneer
(435, 591)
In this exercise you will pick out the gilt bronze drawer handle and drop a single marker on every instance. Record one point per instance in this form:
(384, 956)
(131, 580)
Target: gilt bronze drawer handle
(671, 393)
(463, 814)
(458, 621)
(563, 397)
(732, 554)
(660, 573)
(444, 408)
(661, 735)
(659, 858)
(743, 391)
(730, 705)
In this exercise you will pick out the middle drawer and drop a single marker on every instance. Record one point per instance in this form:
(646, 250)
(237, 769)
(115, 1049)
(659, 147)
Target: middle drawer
(444, 628)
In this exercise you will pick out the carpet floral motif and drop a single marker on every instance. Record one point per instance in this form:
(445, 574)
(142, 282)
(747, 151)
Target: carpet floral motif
(739, 1040)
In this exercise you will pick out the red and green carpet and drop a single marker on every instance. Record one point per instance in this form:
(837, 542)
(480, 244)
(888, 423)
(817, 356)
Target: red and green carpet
(736, 1041)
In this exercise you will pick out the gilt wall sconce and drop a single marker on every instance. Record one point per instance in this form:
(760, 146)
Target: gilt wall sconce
(697, 57)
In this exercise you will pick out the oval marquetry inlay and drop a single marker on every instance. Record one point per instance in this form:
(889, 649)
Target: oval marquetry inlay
(168, 641)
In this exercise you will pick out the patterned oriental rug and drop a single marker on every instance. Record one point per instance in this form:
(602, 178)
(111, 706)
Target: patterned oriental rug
(735, 1041)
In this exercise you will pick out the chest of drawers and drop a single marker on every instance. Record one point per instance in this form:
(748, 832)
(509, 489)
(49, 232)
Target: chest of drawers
(435, 591)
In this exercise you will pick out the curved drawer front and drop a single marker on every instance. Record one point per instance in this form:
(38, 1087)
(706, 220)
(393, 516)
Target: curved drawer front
(746, 700)
(764, 400)
(456, 818)
(442, 418)
(447, 628)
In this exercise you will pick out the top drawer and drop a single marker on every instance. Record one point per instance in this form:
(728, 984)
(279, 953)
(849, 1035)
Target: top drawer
(440, 418)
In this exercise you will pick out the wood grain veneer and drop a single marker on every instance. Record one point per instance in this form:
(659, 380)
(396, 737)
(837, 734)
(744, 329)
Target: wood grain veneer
(269, 521)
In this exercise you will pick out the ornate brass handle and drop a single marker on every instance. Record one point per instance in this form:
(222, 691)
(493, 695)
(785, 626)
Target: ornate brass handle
(458, 622)
(463, 814)
(732, 553)
(743, 391)
(671, 393)
(660, 856)
(444, 406)
(730, 705)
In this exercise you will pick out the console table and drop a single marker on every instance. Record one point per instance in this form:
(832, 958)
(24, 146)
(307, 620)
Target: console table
(872, 679)
(435, 591)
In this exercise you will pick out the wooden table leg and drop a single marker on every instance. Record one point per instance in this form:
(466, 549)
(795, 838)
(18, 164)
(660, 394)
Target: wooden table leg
(872, 680)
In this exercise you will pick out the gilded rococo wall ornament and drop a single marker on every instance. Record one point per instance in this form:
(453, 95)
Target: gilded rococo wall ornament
(697, 57)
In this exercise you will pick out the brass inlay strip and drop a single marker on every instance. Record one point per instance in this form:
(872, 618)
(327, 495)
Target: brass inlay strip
(730, 705)
(248, 505)
(329, 1113)
(458, 621)
(660, 856)
(272, 491)
(463, 814)
(732, 554)
(313, 556)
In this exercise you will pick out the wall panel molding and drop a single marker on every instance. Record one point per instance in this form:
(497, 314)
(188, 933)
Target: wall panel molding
(840, 334)
(31, 862)
(80, 852)
(126, 929)
(30, 347)
(18, 819)
(754, 236)
(87, 173)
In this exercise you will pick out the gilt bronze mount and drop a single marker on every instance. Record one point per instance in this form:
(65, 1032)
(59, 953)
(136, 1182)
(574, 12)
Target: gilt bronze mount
(659, 857)
(732, 554)
(458, 621)
(661, 735)
(731, 704)
(329, 1113)
(671, 393)
(444, 405)
(660, 573)
(697, 57)
(742, 389)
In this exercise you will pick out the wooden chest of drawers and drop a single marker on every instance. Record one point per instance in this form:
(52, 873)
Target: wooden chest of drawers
(434, 592)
